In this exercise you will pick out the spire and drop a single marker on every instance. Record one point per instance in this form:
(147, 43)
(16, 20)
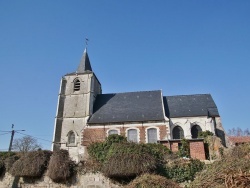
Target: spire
(84, 63)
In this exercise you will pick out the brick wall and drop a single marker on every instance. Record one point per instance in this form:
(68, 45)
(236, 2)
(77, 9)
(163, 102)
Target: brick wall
(92, 134)
(197, 150)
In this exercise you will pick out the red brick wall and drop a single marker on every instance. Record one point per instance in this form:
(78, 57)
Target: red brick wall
(174, 146)
(99, 134)
(197, 150)
(93, 135)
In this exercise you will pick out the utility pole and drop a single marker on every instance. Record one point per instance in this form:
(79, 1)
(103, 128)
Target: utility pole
(12, 136)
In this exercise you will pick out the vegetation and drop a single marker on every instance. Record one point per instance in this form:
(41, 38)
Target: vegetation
(205, 134)
(31, 164)
(7, 159)
(119, 158)
(238, 132)
(61, 167)
(99, 150)
(152, 180)
(25, 144)
(184, 149)
(231, 171)
(182, 170)
(137, 165)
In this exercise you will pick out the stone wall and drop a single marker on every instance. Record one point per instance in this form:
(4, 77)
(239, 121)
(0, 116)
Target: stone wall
(88, 180)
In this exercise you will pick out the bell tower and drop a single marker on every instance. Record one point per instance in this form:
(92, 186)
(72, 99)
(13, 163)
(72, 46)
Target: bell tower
(77, 94)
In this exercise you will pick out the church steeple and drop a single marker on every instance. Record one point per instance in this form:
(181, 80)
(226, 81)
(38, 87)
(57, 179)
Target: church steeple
(84, 63)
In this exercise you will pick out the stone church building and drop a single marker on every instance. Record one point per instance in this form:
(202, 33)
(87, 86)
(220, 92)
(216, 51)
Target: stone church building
(85, 115)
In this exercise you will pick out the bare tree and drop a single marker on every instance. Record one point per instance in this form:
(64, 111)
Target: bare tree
(238, 132)
(247, 132)
(25, 144)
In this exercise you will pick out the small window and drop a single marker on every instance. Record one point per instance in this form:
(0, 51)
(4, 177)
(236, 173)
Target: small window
(77, 85)
(71, 138)
(112, 132)
(132, 135)
(152, 135)
(178, 133)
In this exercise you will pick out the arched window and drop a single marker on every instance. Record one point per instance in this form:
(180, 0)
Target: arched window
(178, 133)
(112, 132)
(77, 85)
(195, 131)
(132, 135)
(71, 137)
(152, 135)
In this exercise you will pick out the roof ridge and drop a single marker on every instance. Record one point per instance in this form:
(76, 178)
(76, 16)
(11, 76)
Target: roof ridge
(132, 92)
(187, 95)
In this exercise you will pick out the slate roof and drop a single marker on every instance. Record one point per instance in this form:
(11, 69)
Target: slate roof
(128, 107)
(84, 63)
(190, 106)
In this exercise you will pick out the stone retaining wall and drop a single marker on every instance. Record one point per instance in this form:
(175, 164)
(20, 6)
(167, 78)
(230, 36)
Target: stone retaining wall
(88, 180)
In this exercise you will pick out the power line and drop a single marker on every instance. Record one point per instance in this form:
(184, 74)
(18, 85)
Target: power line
(5, 133)
(35, 137)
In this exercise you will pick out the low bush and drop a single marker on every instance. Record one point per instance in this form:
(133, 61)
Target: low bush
(152, 181)
(9, 161)
(231, 171)
(184, 150)
(2, 167)
(61, 167)
(31, 164)
(128, 165)
(119, 158)
(99, 150)
(5, 154)
(205, 134)
(183, 170)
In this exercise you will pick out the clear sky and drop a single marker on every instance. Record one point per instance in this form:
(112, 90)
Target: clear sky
(181, 47)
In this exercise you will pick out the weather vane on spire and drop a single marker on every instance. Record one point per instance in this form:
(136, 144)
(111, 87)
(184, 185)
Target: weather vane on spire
(86, 42)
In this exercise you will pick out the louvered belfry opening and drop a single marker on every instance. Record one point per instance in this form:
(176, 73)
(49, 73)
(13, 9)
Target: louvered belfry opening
(77, 85)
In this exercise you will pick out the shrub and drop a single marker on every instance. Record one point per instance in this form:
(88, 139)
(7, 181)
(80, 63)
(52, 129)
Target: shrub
(231, 171)
(131, 159)
(128, 164)
(183, 170)
(4, 155)
(61, 167)
(119, 158)
(2, 167)
(184, 149)
(31, 164)
(204, 134)
(152, 181)
(99, 150)
(8, 162)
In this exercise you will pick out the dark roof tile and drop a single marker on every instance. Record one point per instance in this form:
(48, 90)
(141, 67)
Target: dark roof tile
(190, 106)
(128, 107)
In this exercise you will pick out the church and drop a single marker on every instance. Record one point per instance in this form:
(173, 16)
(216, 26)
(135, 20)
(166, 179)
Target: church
(85, 115)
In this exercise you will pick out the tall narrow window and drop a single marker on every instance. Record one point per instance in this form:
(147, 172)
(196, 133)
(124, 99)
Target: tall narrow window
(152, 135)
(132, 135)
(71, 137)
(195, 131)
(178, 133)
(112, 132)
(77, 85)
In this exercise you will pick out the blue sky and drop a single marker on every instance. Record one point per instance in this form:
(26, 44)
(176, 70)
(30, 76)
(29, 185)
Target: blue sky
(181, 47)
